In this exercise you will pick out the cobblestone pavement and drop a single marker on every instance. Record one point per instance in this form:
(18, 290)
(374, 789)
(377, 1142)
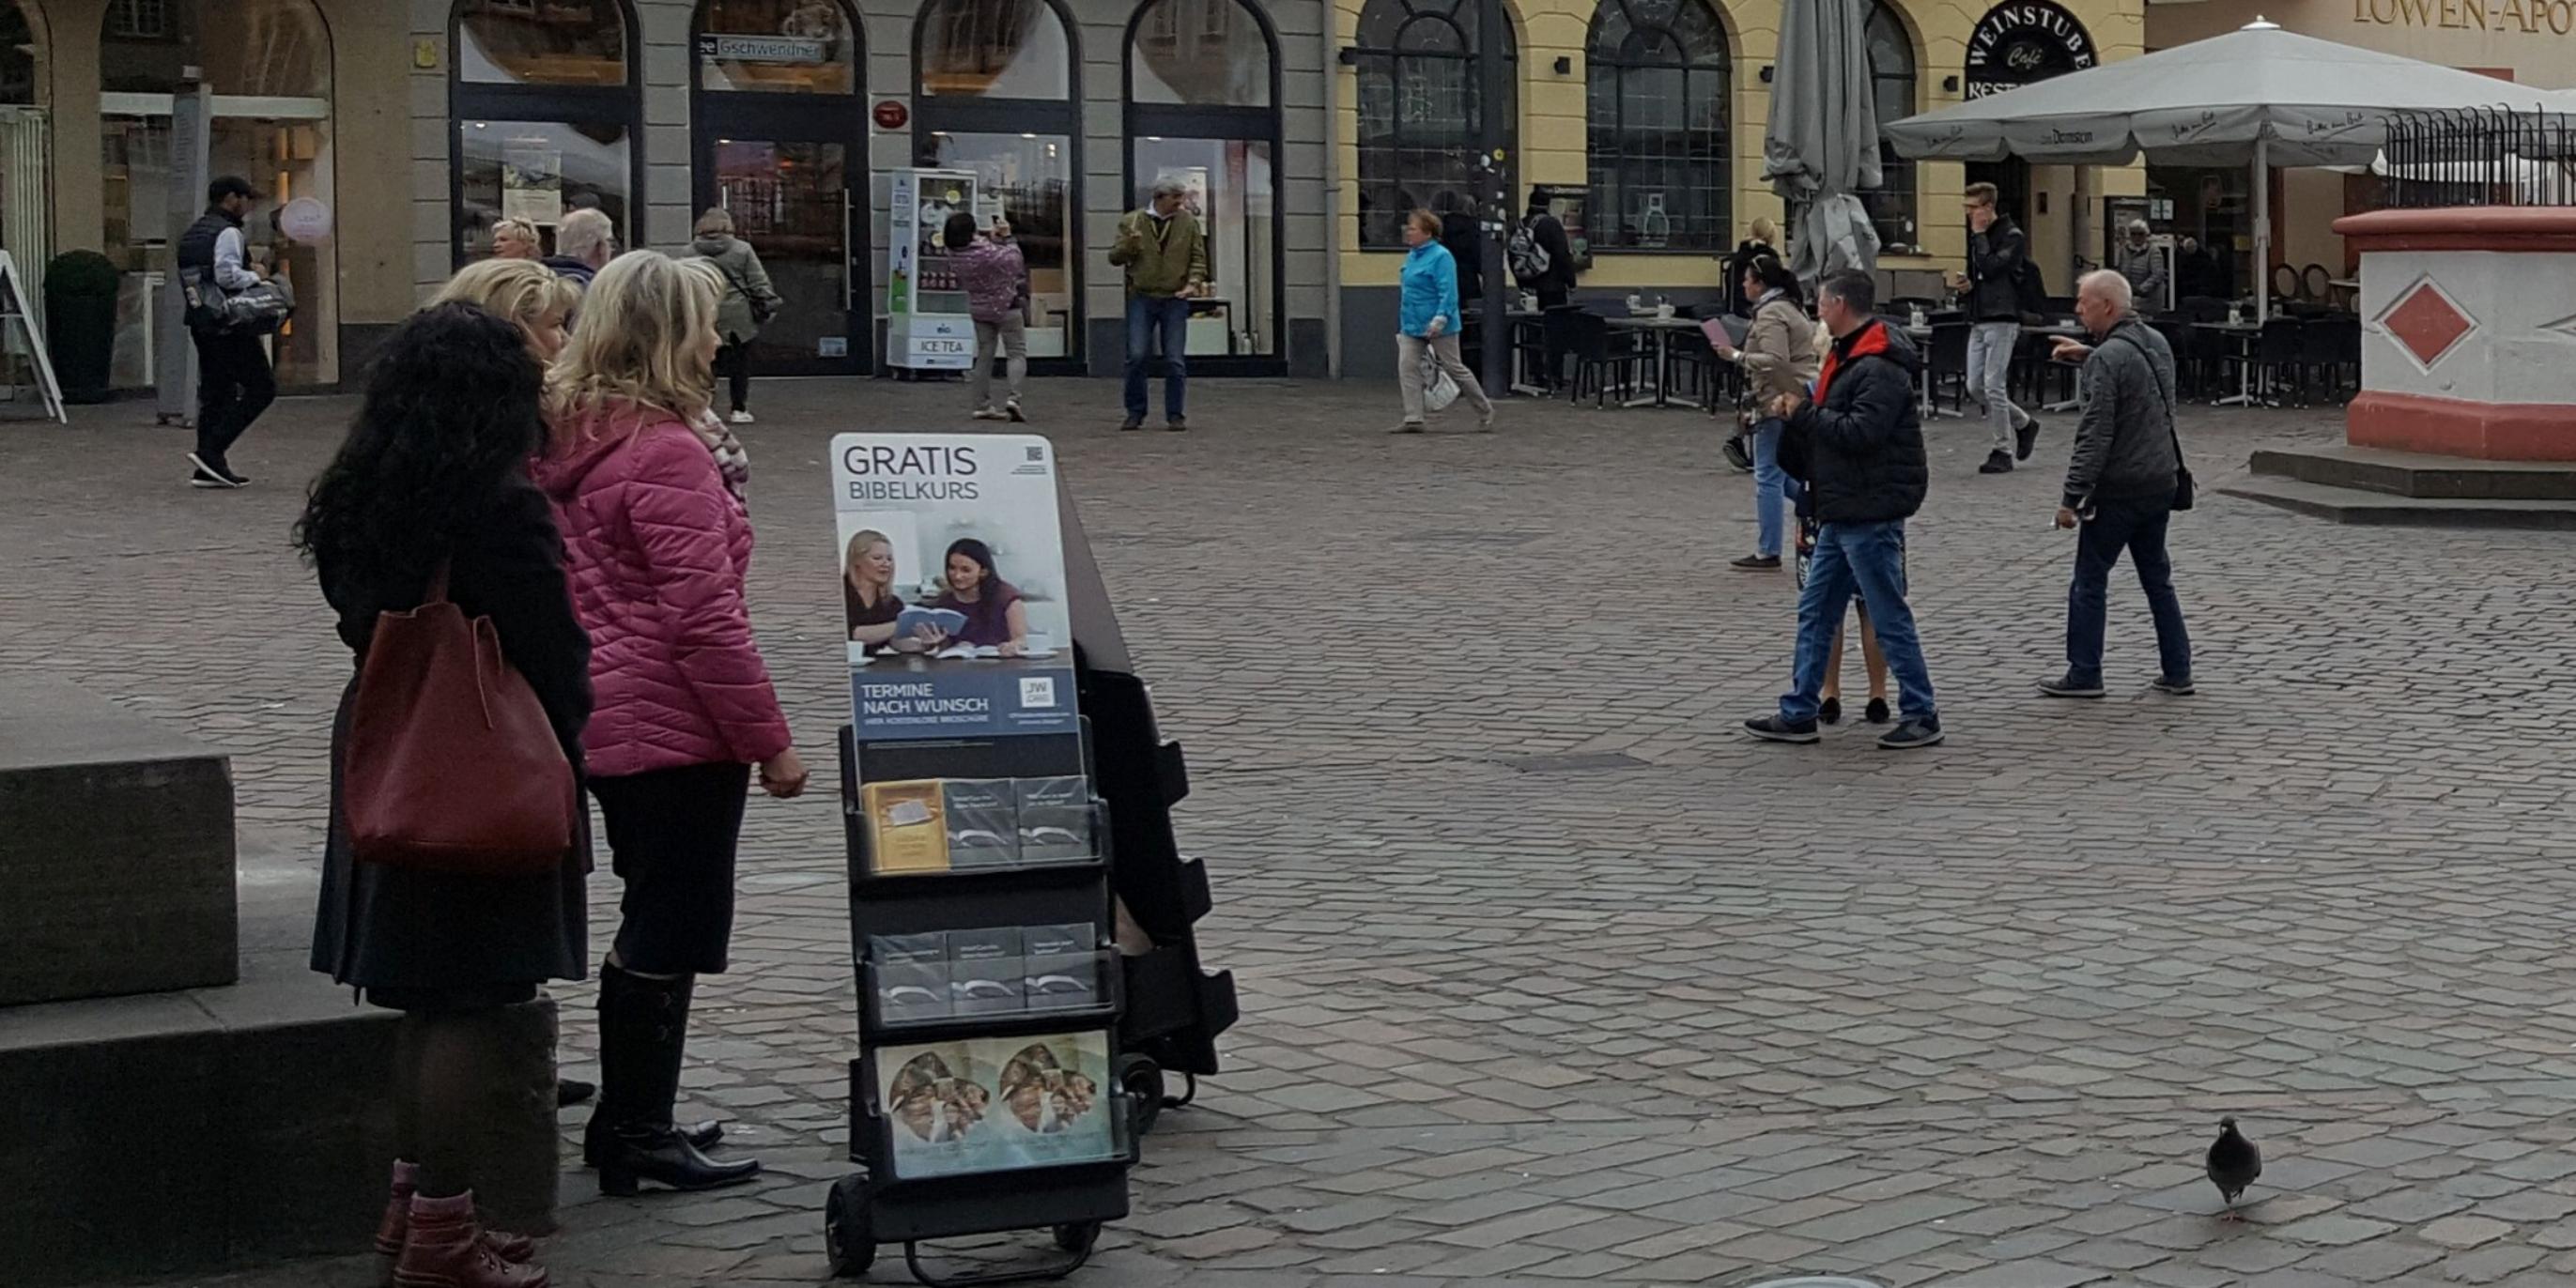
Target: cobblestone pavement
(1548, 975)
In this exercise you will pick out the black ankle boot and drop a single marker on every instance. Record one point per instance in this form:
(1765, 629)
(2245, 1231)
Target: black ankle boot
(643, 1035)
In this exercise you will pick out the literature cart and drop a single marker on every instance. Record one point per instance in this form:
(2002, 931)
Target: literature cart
(1001, 1080)
(984, 1097)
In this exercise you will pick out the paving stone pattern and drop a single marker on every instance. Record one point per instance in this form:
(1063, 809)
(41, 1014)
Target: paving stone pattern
(1549, 976)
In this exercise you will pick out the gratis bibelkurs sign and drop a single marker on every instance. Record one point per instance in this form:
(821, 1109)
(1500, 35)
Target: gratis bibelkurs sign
(2025, 42)
(952, 586)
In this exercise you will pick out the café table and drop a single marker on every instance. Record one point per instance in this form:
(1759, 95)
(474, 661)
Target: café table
(1662, 329)
(2242, 333)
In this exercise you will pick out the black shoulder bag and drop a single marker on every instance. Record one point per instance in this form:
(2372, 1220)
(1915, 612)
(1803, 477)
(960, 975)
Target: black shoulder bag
(2183, 493)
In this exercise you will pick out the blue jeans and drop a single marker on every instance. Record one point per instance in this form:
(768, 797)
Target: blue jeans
(2140, 530)
(1147, 314)
(1770, 485)
(1868, 558)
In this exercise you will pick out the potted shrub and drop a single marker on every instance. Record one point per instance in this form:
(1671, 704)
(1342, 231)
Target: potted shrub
(80, 322)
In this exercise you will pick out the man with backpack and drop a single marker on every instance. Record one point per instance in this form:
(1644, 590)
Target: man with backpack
(234, 382)
(1999, 288)
(1542, 258)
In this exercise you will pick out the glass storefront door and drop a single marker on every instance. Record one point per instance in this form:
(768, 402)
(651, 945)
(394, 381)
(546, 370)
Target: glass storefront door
(791, 199)
(1231, 192)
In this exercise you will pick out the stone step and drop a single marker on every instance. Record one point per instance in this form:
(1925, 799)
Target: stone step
(2418, 475)
(2356, 506)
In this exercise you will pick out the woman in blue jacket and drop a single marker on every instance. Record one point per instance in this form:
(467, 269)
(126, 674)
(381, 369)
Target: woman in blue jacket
(1428, 324)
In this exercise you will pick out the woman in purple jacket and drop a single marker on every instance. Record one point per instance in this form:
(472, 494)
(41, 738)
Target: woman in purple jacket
(995, 276)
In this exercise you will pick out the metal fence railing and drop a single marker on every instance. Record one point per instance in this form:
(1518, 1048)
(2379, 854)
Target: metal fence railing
(2497, 156)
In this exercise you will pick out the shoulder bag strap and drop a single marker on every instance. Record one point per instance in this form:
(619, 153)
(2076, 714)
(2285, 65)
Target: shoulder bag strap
(2163, 395)
(437, 591)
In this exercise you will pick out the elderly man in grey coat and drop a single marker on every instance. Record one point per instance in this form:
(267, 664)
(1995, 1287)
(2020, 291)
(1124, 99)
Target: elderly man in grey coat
(2122, 484)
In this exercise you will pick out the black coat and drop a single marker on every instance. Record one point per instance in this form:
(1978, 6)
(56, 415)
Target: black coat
(1737, 302)
(1993, 257)
(1860, 451)
(378, 927)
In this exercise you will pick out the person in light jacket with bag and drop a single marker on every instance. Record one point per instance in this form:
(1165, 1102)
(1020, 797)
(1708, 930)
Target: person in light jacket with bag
(435, 473)
(749, 302)
(648, 492)
(1427, 325)
(1779, 358)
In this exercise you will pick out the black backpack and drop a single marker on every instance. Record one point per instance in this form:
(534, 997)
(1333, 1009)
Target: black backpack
(2030, 290)
(1528, 259)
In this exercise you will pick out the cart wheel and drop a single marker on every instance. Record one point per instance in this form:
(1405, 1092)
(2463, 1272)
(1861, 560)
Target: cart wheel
(844, 1229)
(1078, 1238)
(1142, 1080)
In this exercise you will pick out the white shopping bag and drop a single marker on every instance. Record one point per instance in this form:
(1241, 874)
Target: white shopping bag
(1438, 390)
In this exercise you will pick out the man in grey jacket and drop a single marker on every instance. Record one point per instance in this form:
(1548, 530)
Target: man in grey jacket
(2120, 485)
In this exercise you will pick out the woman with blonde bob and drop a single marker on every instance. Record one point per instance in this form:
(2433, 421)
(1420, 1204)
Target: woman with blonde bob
(659, 544)
(519, 291)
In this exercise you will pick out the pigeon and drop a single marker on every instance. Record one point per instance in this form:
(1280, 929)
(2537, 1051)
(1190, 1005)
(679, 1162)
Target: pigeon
(2234, 1162)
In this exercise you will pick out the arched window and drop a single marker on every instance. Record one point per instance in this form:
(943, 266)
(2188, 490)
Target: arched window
(777, 47)
(543, 103)
(1891, 76)
(22, 58)
(1661, 114)
(1421, 120)
(268, 84)
(1202, 108)
(994, 83)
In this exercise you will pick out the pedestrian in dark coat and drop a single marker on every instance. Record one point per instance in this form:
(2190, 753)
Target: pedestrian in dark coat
(434, 472)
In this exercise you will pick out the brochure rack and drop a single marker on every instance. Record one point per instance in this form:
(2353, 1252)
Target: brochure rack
(1010, 1053)
(904, 1193)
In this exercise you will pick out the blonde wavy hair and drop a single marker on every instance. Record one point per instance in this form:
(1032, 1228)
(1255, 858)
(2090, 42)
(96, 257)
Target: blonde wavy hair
(644, 325)
(521, 290)
(517, 230)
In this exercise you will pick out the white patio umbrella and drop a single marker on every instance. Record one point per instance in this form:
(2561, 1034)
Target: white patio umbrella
(2260, 96)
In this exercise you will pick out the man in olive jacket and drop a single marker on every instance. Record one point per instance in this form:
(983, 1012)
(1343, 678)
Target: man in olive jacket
(2120, 485)
(1859, 448)
(1165, 255)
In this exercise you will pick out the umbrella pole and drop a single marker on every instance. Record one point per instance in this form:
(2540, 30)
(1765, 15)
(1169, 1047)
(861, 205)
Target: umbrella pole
(2262, 228)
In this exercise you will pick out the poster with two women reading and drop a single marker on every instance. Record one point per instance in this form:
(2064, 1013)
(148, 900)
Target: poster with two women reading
(953, 586)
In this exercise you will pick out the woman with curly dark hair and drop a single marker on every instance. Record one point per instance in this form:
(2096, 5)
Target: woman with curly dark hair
(435, 472)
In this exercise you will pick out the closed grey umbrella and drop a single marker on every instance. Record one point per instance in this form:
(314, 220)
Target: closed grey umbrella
(1820, 148)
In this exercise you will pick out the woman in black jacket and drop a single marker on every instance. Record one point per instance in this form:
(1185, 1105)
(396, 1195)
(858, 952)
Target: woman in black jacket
(435, 470)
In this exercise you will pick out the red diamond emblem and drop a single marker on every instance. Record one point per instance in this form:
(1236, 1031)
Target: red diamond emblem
(2426, 323)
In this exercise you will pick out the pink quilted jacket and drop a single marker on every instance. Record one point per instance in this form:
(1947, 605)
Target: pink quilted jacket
(658, 551)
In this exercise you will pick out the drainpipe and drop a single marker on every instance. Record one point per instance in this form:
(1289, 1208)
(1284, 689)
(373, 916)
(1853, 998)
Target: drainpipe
(1332, 65)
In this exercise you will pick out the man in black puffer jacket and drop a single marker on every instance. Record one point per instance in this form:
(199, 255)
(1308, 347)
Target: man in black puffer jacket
(1859, 451)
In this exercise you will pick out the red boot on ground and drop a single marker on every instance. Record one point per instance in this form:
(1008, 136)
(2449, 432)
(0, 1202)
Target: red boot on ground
(445, 1248)
(396, 1225)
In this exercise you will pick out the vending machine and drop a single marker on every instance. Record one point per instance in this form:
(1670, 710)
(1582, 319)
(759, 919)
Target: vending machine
(927, 325)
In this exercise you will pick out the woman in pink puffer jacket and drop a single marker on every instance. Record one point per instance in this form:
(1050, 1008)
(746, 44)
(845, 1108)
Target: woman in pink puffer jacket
(646, 488)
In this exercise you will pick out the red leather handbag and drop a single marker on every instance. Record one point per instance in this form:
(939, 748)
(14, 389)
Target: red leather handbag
(450, 764)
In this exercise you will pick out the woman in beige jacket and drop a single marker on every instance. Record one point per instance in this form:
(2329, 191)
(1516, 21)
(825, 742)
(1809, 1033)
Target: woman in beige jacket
(1779, 357)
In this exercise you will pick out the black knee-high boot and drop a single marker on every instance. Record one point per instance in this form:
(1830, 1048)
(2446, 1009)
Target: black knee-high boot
(643, 1035)
(614, 983)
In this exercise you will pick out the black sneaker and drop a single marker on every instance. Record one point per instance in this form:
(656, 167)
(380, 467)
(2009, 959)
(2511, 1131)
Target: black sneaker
(1176, 424)
(2067, 686)
(2026, 438)
(1737, 454)
(1759, 563)
(1996, 463)
(1876, 711)
(1776, 729)
(214, 474)
(2180, 688)
(1917, 731)
(1132, 422)
(1830, 711)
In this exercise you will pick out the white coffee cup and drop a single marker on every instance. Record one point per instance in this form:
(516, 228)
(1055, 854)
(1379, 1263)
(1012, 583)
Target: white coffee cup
(1041, 642)
(1663, 310)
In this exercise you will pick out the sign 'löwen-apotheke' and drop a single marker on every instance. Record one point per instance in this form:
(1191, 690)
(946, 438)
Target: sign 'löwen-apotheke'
(2025, 42)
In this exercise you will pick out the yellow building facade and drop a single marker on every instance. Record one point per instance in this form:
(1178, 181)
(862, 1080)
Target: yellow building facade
(1953, 44)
